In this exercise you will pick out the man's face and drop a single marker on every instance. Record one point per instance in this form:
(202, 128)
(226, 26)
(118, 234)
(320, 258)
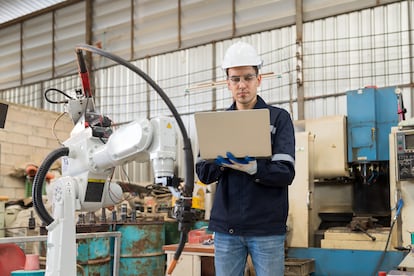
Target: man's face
(243, 83)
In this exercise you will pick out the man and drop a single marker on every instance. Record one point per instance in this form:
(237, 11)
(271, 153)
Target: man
(251, 202)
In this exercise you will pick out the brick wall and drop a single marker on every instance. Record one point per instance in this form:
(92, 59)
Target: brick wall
(27, 138)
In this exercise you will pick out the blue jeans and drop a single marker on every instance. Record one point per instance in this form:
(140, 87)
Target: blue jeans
(267, 252)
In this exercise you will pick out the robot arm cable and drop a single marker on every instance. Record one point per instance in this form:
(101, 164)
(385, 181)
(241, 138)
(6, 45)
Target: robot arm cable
(60, 92)
(39, 179)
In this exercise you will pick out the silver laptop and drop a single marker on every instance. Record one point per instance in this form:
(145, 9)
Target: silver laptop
(241, 132)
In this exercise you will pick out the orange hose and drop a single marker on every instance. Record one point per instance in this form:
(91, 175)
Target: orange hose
(172, 266)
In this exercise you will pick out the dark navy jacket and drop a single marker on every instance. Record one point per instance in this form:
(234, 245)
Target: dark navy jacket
(255, 205)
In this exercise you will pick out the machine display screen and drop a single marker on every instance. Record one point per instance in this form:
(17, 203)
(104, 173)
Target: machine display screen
(409, 141)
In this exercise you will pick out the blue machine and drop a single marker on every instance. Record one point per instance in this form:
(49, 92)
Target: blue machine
(371, 114)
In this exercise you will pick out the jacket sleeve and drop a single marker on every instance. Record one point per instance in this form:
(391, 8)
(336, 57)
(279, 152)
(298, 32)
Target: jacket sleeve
(279, 170)
(207, 171)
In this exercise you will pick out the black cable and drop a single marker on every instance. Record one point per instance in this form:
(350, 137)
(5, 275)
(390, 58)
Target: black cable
(59, 91)
(38, 181)
(181, 244)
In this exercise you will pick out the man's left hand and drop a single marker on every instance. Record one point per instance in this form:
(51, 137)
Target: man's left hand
(247, 164)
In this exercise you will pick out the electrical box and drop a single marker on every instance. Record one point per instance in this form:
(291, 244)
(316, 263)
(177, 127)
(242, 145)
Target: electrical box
(371, 113)
(404, 148)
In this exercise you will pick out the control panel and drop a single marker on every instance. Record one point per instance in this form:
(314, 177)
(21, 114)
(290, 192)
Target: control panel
(405, 154)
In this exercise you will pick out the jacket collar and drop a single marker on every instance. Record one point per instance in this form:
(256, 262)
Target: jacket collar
(259, 104)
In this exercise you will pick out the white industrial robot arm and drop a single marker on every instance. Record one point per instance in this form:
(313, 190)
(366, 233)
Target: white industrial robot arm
(85, 183)
(89, 157)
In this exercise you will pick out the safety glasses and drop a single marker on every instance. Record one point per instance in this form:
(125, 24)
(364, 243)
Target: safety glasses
(246, 78)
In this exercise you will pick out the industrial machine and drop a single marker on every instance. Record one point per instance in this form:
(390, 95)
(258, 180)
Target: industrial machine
(89, 158)
(343, 196)
(371, 115)
(362, 176)
(402, 187)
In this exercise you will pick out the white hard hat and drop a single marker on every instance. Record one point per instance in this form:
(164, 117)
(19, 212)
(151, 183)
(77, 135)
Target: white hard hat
(241, 54)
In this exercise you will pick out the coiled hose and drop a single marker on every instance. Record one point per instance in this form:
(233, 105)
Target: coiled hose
(39, 179)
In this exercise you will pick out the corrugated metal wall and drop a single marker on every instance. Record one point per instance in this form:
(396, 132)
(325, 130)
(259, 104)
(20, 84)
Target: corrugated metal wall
(69, 30)
(39, 47)
(371, 46)
(37, 50)
(10, 56)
